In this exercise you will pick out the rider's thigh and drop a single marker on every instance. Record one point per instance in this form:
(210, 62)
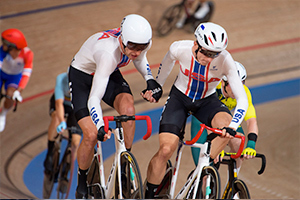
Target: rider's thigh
(89, 130)
(221, 119)
(124, 104)
(168, 143)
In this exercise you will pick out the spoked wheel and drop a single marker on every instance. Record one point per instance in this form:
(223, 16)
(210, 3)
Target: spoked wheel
(50, 176)
(65, 180)
(168, 20)
(240, 191)
(212, 190)
(95, 190)
(131, 180)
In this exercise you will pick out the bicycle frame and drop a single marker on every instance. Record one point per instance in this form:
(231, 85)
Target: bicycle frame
(204, 157)
(120, 147)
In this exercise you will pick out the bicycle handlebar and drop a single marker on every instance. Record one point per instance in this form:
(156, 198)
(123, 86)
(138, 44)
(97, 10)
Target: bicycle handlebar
(258, 155)
(263, 163)
(125, 118)
(219, 132)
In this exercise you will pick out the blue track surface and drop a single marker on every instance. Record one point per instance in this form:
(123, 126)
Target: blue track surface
(33, 175)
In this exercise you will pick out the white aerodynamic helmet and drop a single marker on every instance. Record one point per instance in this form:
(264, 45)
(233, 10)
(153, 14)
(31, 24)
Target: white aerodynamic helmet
(241, 71)
(211, 36)
(135, 29)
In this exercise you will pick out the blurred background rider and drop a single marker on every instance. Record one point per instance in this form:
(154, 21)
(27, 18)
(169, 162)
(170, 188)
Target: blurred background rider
(15, 69)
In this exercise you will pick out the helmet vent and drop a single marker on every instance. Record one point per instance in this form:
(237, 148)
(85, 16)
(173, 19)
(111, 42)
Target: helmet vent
(214, 35)
(222, 37)
(205, 40)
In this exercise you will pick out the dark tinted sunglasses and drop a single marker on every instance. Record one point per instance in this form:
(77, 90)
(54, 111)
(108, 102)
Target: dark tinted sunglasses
(136, 47)
(207, 53)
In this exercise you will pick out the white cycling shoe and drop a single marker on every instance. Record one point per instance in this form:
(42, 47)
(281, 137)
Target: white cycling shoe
(2, 121)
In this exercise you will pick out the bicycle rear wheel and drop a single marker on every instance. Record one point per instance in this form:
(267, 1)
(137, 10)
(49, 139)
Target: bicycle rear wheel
(168, 20)
(131, 180)
(213, 189)
(240, 190)
(51, 176)
(64, 180)
(95, 190)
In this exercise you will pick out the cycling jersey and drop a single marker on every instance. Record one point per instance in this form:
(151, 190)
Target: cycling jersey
(101, 55)
(20, 66)
(231, 103)
(198, 81)
(61, 90)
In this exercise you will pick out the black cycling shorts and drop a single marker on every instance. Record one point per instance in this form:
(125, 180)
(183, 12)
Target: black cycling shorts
(69, 115)
(80, 86)
(179, 106)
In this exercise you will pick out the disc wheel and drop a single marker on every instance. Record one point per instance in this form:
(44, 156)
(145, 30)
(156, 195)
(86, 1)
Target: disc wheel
(240, 190)
(168, 20)
(131, 180)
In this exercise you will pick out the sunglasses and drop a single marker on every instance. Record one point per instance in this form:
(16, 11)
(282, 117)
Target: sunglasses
(207, 53)
(136, 47)
(9, 44)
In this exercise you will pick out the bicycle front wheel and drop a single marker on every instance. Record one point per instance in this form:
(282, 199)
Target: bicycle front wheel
(240, 191)
(131, 180)
(64, 179)
(51, 176)
(212, 189)
(168, 20)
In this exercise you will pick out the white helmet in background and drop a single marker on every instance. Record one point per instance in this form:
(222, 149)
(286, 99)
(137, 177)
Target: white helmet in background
(241, 71)
(211, 36)
(135, 29)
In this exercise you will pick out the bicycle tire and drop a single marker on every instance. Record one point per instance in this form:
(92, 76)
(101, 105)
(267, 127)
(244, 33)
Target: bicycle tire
(64, 182)
(168, 20)
(49, 177)
(241, 189)
(95, 190)
(132, 188)
(215, 184)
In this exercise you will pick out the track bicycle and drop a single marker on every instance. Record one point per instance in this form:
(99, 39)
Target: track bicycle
(124, 180)
(204, 181)
(173, 13)
(62, 172)
(236, 187)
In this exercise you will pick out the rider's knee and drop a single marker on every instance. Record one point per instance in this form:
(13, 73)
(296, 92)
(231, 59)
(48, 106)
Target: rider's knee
(165, 152)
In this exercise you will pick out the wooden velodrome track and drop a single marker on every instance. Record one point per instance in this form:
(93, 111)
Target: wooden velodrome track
(263, 35)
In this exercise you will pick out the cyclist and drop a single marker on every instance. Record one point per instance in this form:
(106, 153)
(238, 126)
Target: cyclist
(15, 68)
(62, 116)
(225, 94)
(203, 63)
(199, 11)
(94, 75)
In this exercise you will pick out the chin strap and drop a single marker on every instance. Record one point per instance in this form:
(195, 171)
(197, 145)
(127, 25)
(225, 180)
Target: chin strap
(196, 52)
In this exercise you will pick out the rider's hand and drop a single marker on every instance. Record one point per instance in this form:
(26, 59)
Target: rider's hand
(153, 92)
(102, 135)
(17, 96)
(61, 127)
(249, 153)
(228, 132)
